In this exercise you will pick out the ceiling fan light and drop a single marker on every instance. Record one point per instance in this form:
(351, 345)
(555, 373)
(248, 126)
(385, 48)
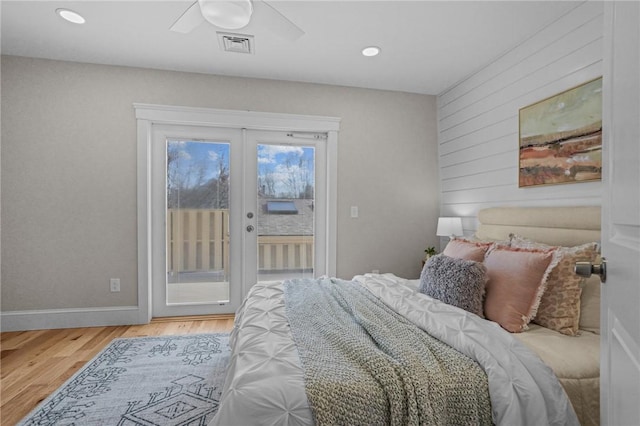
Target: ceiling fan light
(71, 16)
(231, 15)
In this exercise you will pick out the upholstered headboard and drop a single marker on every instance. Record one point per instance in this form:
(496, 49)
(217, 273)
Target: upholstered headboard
(558, 226)
(561, 226)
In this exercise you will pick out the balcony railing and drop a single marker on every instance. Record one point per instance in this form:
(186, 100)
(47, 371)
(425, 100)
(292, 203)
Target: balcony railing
(198, 241)
(285, 252)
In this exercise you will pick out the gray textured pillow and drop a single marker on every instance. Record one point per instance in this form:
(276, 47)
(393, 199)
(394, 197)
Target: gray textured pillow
(457, 282)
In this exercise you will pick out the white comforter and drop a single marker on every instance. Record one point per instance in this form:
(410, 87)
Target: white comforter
(265, 382)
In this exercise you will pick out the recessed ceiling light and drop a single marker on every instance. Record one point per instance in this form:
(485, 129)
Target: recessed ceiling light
(70, 16)
(371, 51)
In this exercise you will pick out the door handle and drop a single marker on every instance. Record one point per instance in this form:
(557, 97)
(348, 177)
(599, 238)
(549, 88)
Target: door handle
(250, 228)
(585, 269)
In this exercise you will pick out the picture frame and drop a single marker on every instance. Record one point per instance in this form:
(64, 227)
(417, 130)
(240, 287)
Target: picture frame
(560, 137)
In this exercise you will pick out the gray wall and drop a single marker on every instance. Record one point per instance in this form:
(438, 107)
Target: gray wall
(478, 118)
(69, 173)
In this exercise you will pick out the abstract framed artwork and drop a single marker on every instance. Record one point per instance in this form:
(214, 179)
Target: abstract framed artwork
(561, 137)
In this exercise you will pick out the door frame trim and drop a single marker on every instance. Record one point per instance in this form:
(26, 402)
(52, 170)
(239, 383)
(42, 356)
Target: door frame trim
(149, 115)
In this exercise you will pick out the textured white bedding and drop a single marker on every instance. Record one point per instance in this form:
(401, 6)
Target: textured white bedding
(265, 383)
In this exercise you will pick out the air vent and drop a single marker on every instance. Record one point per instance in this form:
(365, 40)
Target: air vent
(238, 43)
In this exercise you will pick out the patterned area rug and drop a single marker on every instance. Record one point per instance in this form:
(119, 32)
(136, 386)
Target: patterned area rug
(164, 380)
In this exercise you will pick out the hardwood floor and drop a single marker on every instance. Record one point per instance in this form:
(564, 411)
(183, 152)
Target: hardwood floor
(35, 363)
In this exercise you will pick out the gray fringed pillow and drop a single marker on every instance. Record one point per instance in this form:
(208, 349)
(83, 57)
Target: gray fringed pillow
(457, 282)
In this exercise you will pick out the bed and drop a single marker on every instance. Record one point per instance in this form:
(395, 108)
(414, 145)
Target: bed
(535, 376)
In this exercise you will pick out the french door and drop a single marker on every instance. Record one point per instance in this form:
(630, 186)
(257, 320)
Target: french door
(231, 207)
(285, 205)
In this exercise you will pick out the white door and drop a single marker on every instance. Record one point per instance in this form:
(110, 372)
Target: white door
(285, 206)
(197, 176)
(620, 323)
(232, 207)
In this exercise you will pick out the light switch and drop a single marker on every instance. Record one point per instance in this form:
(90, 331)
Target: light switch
(354, 212)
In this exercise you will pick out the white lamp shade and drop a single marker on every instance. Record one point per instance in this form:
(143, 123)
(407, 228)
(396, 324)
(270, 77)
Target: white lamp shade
(449, 226)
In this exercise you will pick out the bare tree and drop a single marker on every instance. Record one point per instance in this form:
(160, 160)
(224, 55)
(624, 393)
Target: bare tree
(267, 183)
(187, 184)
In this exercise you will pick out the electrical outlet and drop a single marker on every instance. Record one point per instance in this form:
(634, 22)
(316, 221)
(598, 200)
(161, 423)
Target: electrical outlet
(114, 283)
(375, 271)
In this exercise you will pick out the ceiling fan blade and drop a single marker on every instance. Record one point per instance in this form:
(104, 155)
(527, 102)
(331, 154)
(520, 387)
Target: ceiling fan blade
(191, 18)
(276, 21)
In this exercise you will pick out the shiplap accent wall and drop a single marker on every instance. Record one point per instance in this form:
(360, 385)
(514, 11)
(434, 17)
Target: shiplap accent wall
(478, 118)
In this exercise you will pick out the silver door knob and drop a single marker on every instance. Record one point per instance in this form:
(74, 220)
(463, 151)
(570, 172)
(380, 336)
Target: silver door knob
(250, 228)
(585, 269)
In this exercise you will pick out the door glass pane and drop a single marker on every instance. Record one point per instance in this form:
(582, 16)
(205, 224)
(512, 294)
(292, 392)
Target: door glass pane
(285, 225)
(197, 222)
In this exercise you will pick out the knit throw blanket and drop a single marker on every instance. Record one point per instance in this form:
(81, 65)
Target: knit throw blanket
(365, 364)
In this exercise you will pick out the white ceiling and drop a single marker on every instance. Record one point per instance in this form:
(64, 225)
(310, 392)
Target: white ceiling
(427, 46)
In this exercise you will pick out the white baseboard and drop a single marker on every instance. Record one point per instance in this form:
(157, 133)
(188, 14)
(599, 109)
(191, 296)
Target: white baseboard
(69, 318)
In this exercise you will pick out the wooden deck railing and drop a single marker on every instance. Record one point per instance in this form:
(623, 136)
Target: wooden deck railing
(285, 252)
(198, 240)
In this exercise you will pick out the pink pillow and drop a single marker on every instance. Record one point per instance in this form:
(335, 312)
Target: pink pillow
(517, 280)
(465, 249)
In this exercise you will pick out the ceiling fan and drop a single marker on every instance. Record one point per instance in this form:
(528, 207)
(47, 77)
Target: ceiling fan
(236, 14)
